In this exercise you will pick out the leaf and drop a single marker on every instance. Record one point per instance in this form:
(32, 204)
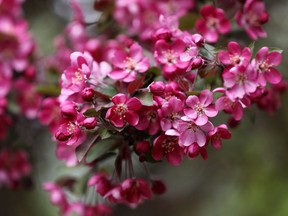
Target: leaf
(275, 49)
(83, 149)
(251, 46)
(49, 90)
(91, 113)
(146, 99)
(136, 84)
(106, 91)
(102, 147)
(154, 71)
(188, 21)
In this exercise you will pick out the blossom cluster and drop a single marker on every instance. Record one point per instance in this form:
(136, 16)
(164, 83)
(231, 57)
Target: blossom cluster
(146, 88)
(156, 99)
(17, 80)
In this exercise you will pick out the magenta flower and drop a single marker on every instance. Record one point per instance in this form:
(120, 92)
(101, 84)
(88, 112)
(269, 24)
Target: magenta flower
(212, 23)
(170, 113)
(264, 63)
(124, 110)
(241, 80)
(128, 65)
(235, 56)
(200, 108)
(218, 133)
(189, 133)
(252, 17)
(167, 146)
(148, 120)
(168, 55)
(195, 150)
(102, 183)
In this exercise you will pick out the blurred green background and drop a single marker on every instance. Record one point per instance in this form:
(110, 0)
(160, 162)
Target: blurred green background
(248, 176)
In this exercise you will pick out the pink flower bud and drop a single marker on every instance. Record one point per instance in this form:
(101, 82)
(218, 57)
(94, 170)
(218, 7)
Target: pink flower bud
(157, 88)
(61, 136)
(142, 147)
(90, 123)
(198, 39)
(88, 94)
(196, 63)
(158, 187)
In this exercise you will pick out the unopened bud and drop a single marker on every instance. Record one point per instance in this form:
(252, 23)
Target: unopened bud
(142, 147)
(198, 39)
(90, 123)
(157, 88)
(196, 63)
(158, 187)
(88, 94)
(61, 136)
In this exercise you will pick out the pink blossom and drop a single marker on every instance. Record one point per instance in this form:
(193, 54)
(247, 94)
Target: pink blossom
(235, 56)
(167, 146)
(190, 133)
(129, 64)
(200, 108)
(124, 110)
(194, 150)
(264, 63)
(67, 153)
(218, 133)
(28, 98)
(170, 113)
(14, 165)
(252, 17)
(168, 55)
(131, 192)
(240, 80)
(148, 120)
(102, 183)
(213, 22)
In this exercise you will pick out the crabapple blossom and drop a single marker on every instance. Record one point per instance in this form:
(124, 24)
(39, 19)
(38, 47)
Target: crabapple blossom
(218, 133)
(148, 120)
(123, 110)
(264, 64)
(252, 17)
(213, 22)
(128, 65)
(200, 108)
(235, 56)
(167, 146)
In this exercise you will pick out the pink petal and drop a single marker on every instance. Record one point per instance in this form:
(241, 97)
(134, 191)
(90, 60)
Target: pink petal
(273, 76)
(119, 98)
(206, 97)
(274, 58)
(132, 118)
(191, 113)
(192, 101)
(136, 52)
(201, 120)
(224, 26)
(133, 104)
(157, 153)
(118, 74)
(187, 138)
(224, 57)
(211, 111)
(174, 158)
(200, 138)
(234, 48)
(262, 54)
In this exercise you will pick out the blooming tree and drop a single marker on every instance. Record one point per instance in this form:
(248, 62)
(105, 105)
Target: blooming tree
(147, 87)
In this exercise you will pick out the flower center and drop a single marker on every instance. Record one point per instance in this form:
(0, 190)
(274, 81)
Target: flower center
(212, 22)
(121, 110)
(130, 64)
(235, 59)
(199, 109)
(241, 78)
(264, 66)
(170, 56)
(78, 77)
(168, 145)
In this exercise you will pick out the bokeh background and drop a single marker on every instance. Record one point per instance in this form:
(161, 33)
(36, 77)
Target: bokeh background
(248, 176)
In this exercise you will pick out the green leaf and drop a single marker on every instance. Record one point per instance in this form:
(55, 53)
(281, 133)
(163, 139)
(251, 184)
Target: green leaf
(252, 46)
(50, 90)
(107, 90)
(102, 147)
(83, 149)
(146, 99)
(154, 71)
(275, 49)
(91, 113)
(188, 21)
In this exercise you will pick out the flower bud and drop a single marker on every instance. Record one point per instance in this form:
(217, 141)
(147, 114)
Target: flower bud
(157, 88)
(88, 94)
(142, 147)
(198, 39)
(90, 123)
(61, 136)
(196, 63)
(158, 187)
